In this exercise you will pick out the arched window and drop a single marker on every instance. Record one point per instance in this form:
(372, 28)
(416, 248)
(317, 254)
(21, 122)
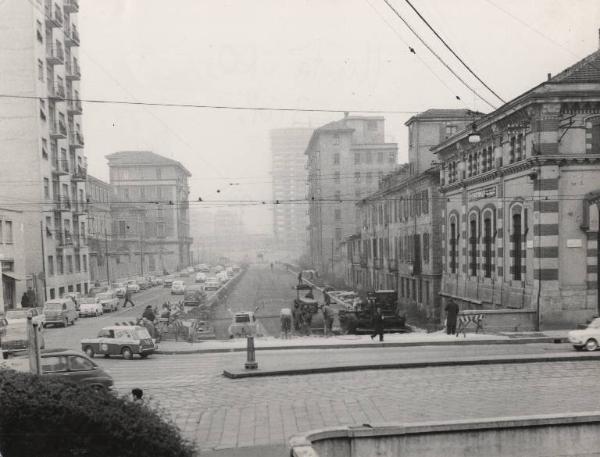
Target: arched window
(518, 232)
(473, 243)
(452, 242)
(489, 235)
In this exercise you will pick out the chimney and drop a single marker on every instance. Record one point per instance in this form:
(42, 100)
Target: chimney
(549, 76)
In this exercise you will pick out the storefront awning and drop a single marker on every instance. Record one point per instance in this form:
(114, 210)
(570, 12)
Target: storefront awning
(12, 275)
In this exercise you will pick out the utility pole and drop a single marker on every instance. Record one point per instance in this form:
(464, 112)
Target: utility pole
(106, 255)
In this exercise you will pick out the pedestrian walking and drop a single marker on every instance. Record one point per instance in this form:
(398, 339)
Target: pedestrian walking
(378, 324)
(149, 314)
(286, 322)
(127, 298)
(451, 315)
(25, 300)
(300, 277)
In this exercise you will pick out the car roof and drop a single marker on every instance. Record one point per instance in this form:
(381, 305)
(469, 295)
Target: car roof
(60, 351)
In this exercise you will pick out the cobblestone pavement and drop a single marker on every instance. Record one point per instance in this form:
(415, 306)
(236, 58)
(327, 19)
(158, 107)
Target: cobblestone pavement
(216, 412)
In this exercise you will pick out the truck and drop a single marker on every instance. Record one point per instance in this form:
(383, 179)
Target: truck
(359, 317)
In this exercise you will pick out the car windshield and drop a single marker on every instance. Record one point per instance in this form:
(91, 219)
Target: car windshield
(105, 296)
(142, 334)
(241, 318)
(16, 314)
(595, 323)
(88, 300)
(178, 283)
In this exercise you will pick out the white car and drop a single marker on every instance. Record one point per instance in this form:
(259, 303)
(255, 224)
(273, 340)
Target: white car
(133, 286)
(178, 288)
(200, 277)
(212, 284)
(588, 338)
(19, 316)
(108, 300)
(90, 306)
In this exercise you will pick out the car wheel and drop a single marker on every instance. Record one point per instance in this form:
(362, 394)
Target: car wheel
(578, 348)
(89, 351)
(143, 356)
(591, 345)
(127, 354)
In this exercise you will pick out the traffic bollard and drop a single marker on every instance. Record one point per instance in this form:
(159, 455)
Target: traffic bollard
(251, 363)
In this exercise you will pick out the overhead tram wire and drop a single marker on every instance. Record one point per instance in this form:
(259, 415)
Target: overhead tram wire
(453, 52)
(456, 75)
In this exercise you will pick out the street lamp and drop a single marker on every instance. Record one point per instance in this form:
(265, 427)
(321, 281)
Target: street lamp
(474, 136)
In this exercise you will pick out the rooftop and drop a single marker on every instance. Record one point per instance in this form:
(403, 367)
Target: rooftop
(142, 158)
(444, 114)
(586, 70)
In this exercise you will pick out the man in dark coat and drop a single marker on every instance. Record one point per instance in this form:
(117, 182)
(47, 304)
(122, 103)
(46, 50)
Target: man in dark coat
(451, 314)
(127, 298)
(378, 324)
(149, 314)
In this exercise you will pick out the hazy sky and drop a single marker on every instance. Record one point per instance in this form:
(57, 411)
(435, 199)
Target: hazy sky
(332, 54)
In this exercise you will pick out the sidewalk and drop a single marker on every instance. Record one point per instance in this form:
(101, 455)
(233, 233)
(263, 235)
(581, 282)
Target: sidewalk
(359, 341)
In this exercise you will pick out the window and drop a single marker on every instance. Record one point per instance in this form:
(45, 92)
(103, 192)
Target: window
(54, 364)
(338, 234)
(473, 246)
(357, 176)
(50, 265)
(84, 262)
(380, 157)
(338, 196)
(336, 158)
(336, 139)
(425, 247)
(38, 31)
(357, 193)
(158, 173)
(80, 364)
(52, 294)
(356, 158)
(70, 264)
(336, 177)
(49, 226)
(78, 264)
(453, 241)
(369, 157)
(59, 265)
(593, 133)
(40, 70)
(392, 157)
(43, 111)
(369, 177)
(122, 228)
(487, 243)
(517, 253)
(425, 202)
(8, 232)
(338, 214)
(46, 188)
(451, 130)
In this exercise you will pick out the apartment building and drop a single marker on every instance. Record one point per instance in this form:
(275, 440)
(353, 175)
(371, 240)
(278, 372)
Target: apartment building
(289, 176)
(520, 228)
(346, 160)
(150, 217)
(41, 141)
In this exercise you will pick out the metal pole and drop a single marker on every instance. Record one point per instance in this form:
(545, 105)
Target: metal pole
(35, 361)
(251, 363)
(43, 260)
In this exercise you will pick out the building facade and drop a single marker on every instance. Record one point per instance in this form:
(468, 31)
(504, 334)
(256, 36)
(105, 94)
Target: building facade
(150, 214)
(520, 226)
(346, 160)
(399, 243)
(289, 187)
(12, 259)
(44, 165)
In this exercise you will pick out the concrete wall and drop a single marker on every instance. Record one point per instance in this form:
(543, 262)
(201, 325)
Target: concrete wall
(535, 436)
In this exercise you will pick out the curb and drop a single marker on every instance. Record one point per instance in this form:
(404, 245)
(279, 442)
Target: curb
(499, 360)
(458, 342)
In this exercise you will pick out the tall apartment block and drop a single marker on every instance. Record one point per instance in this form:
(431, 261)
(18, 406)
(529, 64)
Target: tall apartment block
(41, 143)
(346, 160)
(289, 187)
(151, 220)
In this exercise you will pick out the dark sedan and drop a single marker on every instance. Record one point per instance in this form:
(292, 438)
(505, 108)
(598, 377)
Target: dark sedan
(75, 367)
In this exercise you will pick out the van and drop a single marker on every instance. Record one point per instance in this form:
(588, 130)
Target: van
(61, 311)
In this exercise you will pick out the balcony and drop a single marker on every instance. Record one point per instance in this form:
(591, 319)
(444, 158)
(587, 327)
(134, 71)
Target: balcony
(54, 17)
(71, 36)
(76, 140)
(64, 239)
(378, 263)
(60, 167)
(56, 92)
(55, 55)
(71, 6)
(393, 264)
(72, 71)
(58, 131)
(74, 106)
(62, 204)
(79, 174)
(79, 208)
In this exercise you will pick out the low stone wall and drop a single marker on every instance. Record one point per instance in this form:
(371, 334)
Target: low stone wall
(508, 320)
(532, 436)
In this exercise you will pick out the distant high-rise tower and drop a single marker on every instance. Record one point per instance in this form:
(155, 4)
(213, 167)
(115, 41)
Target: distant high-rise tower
(289, 188)
(43, 168)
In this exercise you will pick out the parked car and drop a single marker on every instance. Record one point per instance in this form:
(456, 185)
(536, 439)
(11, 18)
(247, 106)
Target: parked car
(178, 288)
(120, 340)
(236, 268)
(168, 281)
(74, 367)
(119, 288)
(109, 301)
(229, 272)
(219, 268)
(194, 295)
(15, 337)
(60, 311)
(75, 296)
(20, 315)
(90, 306)
(200, 277)
(222, 277)
(244, 323)
(132, 286)
(97, 290)
(204, 268)
(212, 284)
(588, 338)
(159, 281)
